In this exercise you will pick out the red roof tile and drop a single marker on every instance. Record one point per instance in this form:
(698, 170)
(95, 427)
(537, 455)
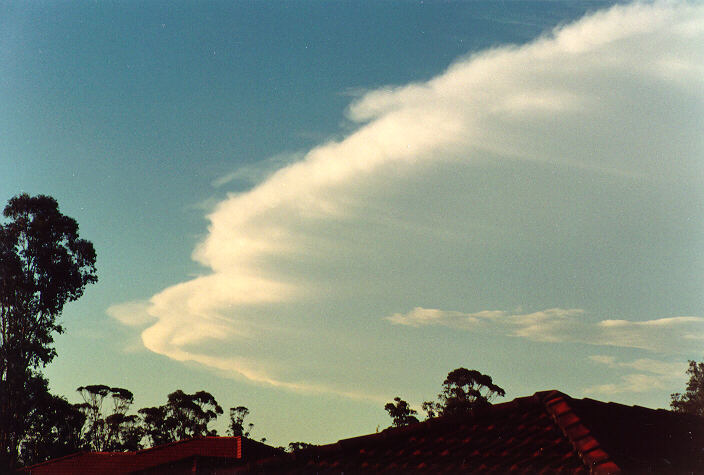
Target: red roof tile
(548, 432)
(108, 463)
(204, 451)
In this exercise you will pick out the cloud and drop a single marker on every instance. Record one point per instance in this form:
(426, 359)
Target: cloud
(657, 367)
(667, 335)
(257, 172)
(652, 374)
(419, 317)
(131, 314)
(433, 193)
(630, 383)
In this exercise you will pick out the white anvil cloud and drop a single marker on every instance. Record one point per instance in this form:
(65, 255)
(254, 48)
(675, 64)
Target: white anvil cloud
(615, 95)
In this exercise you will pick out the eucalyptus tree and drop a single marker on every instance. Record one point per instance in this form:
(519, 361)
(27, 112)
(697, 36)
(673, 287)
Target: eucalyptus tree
(54, 426)
(692, 400)
(463, 391)
(109, 429)
(43, 265)
(401, 413)
(184, 416)
(236, 426)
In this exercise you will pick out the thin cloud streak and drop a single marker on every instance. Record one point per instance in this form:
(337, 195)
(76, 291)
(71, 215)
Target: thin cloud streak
(556, 100)
(652, 374)
(556, 325)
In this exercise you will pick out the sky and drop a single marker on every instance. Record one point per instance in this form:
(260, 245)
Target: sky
(309, 208)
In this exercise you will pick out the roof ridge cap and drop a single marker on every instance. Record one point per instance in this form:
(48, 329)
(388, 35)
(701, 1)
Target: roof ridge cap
(589, 449)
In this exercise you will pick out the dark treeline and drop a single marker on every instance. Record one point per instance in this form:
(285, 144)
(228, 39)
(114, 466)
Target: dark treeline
(101, 423)
(44, 264)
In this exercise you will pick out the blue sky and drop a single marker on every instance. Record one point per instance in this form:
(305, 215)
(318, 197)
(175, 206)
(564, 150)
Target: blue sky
(309, 208)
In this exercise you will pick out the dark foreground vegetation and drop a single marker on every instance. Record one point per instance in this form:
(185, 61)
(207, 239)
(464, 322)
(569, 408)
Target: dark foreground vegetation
(44, 264)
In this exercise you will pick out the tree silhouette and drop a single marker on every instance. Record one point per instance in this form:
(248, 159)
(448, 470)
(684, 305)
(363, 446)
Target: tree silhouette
(114, 432)
(43, 265)
(692, 401)
(429, 407)
(54, 426)
(183, 416)
(298, 446)
(236, 426)
(462, 392)
(401, 413)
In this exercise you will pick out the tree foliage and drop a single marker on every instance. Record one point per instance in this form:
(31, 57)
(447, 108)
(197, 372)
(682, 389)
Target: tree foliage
(183, 416)
(401, 413)
(43, 265)
(54, 426)
(429, 407)
(462, 392)
(692, 401)
(298, 446)
(113, 432)
(236, 426)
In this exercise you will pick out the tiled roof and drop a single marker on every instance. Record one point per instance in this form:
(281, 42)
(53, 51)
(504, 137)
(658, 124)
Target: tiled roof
(222, 447)
(108, 463)
(548, 432)
(195, 453)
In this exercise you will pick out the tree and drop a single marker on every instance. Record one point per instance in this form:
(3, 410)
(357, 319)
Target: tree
(236, 426)
(463, 391)
(54, 426)
(43, 265)
(692, 401)
(298, 446)
(401, 413)
(115, 432)
(184, 416)
(429, 407)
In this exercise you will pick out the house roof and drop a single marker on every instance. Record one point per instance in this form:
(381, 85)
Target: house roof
(109, 463)
(546, 432)
(223, 450)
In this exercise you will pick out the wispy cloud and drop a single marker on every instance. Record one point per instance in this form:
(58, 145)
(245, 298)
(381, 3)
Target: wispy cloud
(131, 314)
(662, 368)
(253, 173)
(630, 383)
(651, 374)
(386, 208)
(667, 335)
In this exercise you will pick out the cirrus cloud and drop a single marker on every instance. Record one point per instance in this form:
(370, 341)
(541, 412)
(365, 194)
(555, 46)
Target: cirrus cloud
(651, 374)
(666, 335)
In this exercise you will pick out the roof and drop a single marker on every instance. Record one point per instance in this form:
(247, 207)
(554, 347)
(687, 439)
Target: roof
(198, 452)
(109, 463)
(544, 433)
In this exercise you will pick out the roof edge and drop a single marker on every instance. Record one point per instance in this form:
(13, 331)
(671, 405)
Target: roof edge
(157, 448)
(590, 451)
(80, 453)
